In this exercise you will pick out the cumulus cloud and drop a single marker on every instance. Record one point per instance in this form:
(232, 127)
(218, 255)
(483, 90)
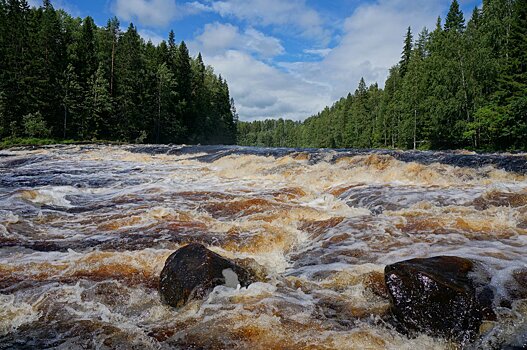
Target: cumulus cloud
(259, 89)
(155, 13)
(263, 91)
(218, 37)
(370, 44)
(292, 14)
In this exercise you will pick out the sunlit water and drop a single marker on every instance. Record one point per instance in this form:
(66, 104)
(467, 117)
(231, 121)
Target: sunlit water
(85, 231)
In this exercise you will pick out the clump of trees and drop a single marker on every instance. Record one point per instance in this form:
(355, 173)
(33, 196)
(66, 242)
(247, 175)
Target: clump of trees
(67, 78)
(462, 85)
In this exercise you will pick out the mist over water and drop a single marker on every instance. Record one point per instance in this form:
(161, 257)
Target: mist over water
(85, 231)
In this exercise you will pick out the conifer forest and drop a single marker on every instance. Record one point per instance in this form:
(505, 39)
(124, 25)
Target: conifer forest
(461, 85)
(66, 78)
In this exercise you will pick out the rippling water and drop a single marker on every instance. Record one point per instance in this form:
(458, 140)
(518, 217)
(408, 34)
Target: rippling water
(85, 231)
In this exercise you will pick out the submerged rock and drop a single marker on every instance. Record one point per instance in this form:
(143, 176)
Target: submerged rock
(193, 271)
(517, 286)
(443, 296)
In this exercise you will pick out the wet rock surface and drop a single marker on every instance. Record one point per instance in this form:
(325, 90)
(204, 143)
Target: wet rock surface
(517, 286)
(443, 296)
(509, 162)
(193, 271)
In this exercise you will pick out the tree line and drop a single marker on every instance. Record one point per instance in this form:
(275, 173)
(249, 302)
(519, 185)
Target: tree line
(462, 85)
(67, 78)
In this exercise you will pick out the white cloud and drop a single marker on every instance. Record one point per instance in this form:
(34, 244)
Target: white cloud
(198, 7)
(218, 37)
(294, 14)
(149, 35)
(58, 4)
(155, 13)
(262, 91)
(370, 44)
(259, 89)
(318, 52)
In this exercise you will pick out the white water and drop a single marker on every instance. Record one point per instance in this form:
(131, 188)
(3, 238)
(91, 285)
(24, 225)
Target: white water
(85, 231)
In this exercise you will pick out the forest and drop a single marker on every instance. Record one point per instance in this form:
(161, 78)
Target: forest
(461, 85)
(66, 78)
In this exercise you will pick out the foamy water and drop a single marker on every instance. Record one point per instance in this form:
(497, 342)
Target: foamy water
(85, 231)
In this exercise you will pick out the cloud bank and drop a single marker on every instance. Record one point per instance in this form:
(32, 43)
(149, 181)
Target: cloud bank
(254, 45)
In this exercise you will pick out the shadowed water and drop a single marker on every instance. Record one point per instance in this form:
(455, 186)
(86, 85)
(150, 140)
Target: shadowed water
(85, 231)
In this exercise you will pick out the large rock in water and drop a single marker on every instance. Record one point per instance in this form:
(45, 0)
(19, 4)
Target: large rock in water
(443, 296)
(193, 271)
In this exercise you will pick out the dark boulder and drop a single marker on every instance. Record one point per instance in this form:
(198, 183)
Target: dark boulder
(193, 271)
(517, 286)
(443, 296)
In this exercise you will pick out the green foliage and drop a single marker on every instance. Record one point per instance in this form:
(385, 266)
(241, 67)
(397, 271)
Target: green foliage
(407, 52)
(461, 86)
(35, 126)
(28, 141)
(455, 20)
(72, 79)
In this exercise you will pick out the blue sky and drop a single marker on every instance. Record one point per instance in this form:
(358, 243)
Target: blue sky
(282, 58)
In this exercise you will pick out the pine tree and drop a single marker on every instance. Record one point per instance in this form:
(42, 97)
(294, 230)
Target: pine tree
(101, 106)
(73, 104)
(183, 76)
(514, 78)
(86, 64)
(107, 43)
(407, 52)
(130, 67)
(15, 60)
(46, 66)
(454, 19)
(67, 75)
(172, 47)
(516, 68)
(360, 114)
(167, 126)
(199, 100)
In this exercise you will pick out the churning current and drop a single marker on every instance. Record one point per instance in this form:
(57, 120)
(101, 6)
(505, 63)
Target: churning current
(85, 232)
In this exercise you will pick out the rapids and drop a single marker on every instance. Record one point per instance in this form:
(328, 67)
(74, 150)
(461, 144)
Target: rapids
(85, 231)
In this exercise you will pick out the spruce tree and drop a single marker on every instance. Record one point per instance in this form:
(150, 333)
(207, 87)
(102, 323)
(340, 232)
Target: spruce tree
(73, 104)
(454, 19)
(46, 66)
(109, 38)
(167, 126)
(183, 77)
(14, 74)
(199, 100)
(86, 64)
(101, 106)
(407, 52)
(516, 69)
(130, 67)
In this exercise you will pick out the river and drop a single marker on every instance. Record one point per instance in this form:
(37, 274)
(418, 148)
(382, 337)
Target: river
(85, 231)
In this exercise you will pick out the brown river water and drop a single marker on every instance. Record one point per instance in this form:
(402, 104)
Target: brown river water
(85, 231)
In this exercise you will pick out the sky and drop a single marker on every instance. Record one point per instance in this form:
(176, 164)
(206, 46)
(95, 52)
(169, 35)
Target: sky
(282, 58)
